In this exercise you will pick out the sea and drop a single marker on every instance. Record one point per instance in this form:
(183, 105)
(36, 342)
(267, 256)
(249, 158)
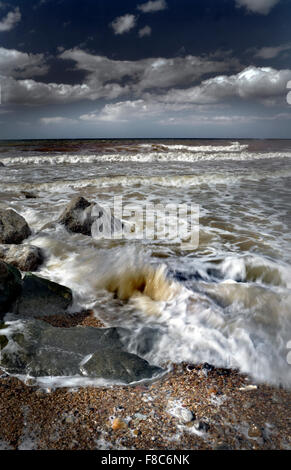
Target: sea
(226, 300)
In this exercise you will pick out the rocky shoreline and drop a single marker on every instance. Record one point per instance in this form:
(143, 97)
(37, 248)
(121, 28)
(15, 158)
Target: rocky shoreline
(190, 407)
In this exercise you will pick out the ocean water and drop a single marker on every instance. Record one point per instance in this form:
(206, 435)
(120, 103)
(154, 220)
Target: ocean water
(227, 301)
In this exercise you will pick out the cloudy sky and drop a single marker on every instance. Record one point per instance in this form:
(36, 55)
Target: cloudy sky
(158, 68)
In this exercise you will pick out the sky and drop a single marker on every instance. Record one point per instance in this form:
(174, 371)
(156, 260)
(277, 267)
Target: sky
(158, 68)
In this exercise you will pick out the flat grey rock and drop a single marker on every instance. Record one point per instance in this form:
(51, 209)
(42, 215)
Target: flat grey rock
(40, 350)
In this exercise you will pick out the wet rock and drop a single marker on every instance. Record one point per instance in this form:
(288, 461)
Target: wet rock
(201, 426)
(28, 195)
(10, 287)
(44, 350)
(80, 215)
(41, 297)
(13, 227)
(119, 365)
(77, 216)
(182, 414)
(145, 340)
(118, 424)
(206, 368)
(254, 431)
(3, 339)
(24, 257)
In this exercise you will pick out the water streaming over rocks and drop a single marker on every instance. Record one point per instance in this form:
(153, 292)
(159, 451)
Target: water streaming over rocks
(226, 302)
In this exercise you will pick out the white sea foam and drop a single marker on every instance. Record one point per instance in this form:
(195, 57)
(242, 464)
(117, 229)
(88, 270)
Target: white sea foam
(243, 325)
(171, 155)
(232, 147)
(175, 181)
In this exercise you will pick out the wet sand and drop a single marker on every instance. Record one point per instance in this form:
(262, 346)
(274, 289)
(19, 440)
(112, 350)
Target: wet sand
(228, 411)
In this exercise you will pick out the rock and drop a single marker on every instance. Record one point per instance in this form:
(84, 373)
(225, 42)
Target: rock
(24, 257)
(254, 431)
(206, 368)
(201, 426)
(28, 195)
(41, 297)
(77, 216)
(44, 350)
(119, 424)
(80, 216)
(13, 227)
(70, 419)
(3, 339)
(182, 414)
(120, 366)
(2, 164)
(10, 287)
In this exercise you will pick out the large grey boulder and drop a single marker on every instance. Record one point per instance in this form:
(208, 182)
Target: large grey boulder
(13, 227)
(38, 349)
(119, 365)
(10, 287)
(77, 216)
(41, 297)
(24, 257)
(81, 216)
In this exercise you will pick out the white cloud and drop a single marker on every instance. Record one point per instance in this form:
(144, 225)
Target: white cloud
(124, 111)
(152, 6)
(272, 52)
(123, 24)
(146, 31)
(33, 92)
(10, 20)
(20, 64)
(262, 7)
(263, 84)
(155, 83)
(146, 73)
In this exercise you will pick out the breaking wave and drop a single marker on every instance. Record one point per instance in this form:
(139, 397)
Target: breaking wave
(176, 181)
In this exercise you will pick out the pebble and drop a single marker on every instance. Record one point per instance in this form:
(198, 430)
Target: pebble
(201, 426)
(118, 424)
(182, 414)
(70, 419)
(254, 431)
(206, 368)
(248, 388)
